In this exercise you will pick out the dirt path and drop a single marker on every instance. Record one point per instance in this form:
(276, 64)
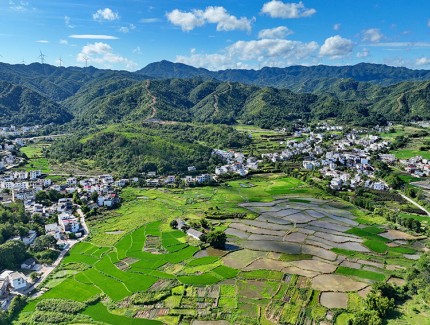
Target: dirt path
(415, 203)
(154, 100)
(216, 97)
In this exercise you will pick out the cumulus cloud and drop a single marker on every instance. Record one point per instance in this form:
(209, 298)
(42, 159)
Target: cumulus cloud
(422, 61)
(93, 36)
(67, 22)
(102, 53)
(336, 47)
(373, 35)
(246, 54)
(364, 53)
(64, 42)
(212, 15)
(337, 26)
(279, 9)
(42, 41)
(105, 14)
(275, 33)
(127, 29)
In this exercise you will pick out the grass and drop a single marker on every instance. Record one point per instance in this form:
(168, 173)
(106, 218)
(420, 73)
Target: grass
(368, 233)
(262, 274)
(100, 313)
(203, 261)
(370, 275)
(298, 257)
(409, 153)
(376, 246)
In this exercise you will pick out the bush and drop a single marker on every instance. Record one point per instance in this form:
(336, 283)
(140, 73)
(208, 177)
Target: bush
(60, 306)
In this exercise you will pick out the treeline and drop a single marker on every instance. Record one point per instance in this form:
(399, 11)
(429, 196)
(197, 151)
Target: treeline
(166, 149)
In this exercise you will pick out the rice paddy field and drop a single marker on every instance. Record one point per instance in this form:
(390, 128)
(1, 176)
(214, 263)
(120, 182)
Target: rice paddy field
(294, 257)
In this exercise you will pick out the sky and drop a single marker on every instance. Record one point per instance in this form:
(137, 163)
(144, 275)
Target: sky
(248, 34)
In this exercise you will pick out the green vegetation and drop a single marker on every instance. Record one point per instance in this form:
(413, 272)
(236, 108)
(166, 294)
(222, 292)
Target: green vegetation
(370, 275)
(131, 150)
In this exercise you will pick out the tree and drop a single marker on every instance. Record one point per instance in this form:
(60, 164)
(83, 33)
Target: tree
(367, 317)
(44, 242)
(173, 224)
(12, 254)
(94, 196)
(216, 239)
(377, 302)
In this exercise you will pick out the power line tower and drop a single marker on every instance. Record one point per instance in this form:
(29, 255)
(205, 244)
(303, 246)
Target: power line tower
(86, 61)
(23, 61)
(42, 57)
(61, 61)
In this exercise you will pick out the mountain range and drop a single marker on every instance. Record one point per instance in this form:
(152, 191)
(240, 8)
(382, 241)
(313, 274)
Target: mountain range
(363, 93)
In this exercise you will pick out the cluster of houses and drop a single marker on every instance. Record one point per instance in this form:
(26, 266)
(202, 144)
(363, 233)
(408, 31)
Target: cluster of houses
(416, 166)
(11, 282)
(14, 131)
(8, 159)
(345, 161)
(236, 162)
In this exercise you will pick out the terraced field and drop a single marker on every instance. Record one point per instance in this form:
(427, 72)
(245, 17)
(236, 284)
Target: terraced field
(291, 259)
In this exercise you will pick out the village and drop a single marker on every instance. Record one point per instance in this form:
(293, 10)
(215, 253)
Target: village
(342, 158)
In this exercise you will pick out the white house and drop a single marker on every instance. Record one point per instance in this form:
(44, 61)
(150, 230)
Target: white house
(29, 239)
(68, 222)
(28, 264)
(17, 280)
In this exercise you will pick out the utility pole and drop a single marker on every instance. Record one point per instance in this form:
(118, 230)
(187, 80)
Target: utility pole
(42, 57)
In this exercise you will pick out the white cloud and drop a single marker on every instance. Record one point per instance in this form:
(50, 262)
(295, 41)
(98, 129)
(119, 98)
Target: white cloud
(213, 15)
(137, 50)
(91, 36)
(64, 42)
(422, 61)
(186, 20)
(67, 22)
(42, 41)
(279, 9)
(337, 26)
(403, 44)
(336, 47)
(274, 33)
(102, 53)
(127, 29)
(18, 5)
(364, 53)
(149, 20)
(105, 14)
(428, 23)
(373, 35)
(247, 54)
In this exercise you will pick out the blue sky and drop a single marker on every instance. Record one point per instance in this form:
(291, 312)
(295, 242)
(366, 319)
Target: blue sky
(129, 34)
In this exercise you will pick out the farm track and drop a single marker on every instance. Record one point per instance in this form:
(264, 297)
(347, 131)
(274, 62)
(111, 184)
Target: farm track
(153, 100)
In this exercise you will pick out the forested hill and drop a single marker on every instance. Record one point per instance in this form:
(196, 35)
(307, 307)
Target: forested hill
(208, 101)
(212, 101)
(57, 83)
(23, 106)
(40, 94)
(293, 77)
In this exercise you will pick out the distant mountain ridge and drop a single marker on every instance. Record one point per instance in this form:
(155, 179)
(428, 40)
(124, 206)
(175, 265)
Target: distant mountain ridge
(164, 90)
(290, 77)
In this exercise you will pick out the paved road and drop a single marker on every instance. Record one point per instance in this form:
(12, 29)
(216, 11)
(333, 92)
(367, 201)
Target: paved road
(47, 270)
(415, 203)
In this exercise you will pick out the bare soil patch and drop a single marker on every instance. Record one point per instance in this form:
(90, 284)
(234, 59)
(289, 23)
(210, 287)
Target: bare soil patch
(334, 299)
(397, 234)
(335, 282)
